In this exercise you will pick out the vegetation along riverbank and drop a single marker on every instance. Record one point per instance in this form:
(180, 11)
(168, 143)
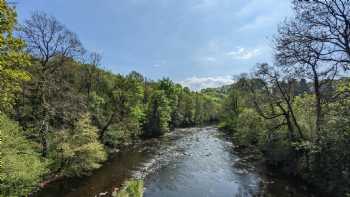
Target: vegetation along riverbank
(296, 113)
(62, 114)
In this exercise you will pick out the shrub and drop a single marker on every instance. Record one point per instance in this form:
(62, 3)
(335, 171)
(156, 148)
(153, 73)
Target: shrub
(21, 166)
(78, 151)
(130, 189)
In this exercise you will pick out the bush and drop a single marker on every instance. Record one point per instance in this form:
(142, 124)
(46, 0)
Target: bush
(21, 166)
(131, 189)
(249, 128)
(78, 151)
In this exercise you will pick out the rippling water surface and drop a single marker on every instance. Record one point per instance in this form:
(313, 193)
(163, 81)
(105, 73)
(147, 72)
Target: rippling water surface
(185, 163)
(204, 167)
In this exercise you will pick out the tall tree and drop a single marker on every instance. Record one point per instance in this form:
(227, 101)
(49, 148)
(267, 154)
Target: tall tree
(277, 92)
(51, 45)
(326, 22)
(122, 103)
(13, 59)
(315, 44)
(158, 114)
(91, 74)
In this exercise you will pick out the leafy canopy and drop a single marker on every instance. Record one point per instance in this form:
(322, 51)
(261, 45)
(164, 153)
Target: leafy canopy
(12, 58)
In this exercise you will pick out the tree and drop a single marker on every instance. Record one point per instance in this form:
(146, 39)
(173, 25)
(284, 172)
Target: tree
(122, 103)
(91, 75)
(128, 108)
(48, 39)
(249, 127)
(231, 109)
(71, 110)
(315, 43)
(21, 167)
(326, 22)
(158, 114)
(13, 59)
(51, 46)
(302, 87)
(171, 93)
(78, 149)
(277, 92)
(188, 109)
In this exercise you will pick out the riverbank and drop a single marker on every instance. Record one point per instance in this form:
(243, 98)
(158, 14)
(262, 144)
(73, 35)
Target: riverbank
(61, 185)
(209, 166)
(187, 162)
(278, 180)
(128, 161)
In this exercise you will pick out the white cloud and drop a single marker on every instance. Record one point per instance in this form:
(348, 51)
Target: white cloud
(244, 54)
(198, 83)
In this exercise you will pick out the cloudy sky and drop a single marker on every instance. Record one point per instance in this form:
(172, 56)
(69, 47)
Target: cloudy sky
(200, 43)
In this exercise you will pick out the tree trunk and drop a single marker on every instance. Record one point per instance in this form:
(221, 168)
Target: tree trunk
(44, 128)
(290, 112)
(291, 132)
(106, 126)
(318, 107)
(43, 138)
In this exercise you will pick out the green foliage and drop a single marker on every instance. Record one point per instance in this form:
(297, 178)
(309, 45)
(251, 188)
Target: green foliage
(117, 107)
(304, 109)
(130, 189)
(263, 113)
(330, 158)
(158, 114)
(13, 59)
(249, 128)
(231, 110)
(320, 158)
(21, 167)
(78, 151)
(71, 111)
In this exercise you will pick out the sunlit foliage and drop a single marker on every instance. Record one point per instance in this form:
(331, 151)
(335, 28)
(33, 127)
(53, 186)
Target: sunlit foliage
(13, 59)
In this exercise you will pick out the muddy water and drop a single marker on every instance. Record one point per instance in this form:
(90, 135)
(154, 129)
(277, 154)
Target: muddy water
(186, 163)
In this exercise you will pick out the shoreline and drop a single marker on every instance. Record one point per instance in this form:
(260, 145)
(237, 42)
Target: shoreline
(136, 144)
(252, 156)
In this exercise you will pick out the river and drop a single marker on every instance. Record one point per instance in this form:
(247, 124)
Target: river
(187, 163)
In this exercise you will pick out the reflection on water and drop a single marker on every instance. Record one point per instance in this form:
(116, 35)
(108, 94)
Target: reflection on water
(186, 163)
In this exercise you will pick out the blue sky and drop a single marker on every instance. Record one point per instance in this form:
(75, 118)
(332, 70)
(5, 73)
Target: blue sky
(199, 43)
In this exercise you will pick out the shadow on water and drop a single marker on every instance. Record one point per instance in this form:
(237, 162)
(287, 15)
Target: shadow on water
(188, 163)
(112, 174)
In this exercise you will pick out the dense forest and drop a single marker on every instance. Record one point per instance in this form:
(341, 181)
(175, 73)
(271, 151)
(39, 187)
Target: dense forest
(295, 114)
(62, 115)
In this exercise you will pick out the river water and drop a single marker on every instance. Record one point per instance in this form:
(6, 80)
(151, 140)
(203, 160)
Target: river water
(185, 163)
